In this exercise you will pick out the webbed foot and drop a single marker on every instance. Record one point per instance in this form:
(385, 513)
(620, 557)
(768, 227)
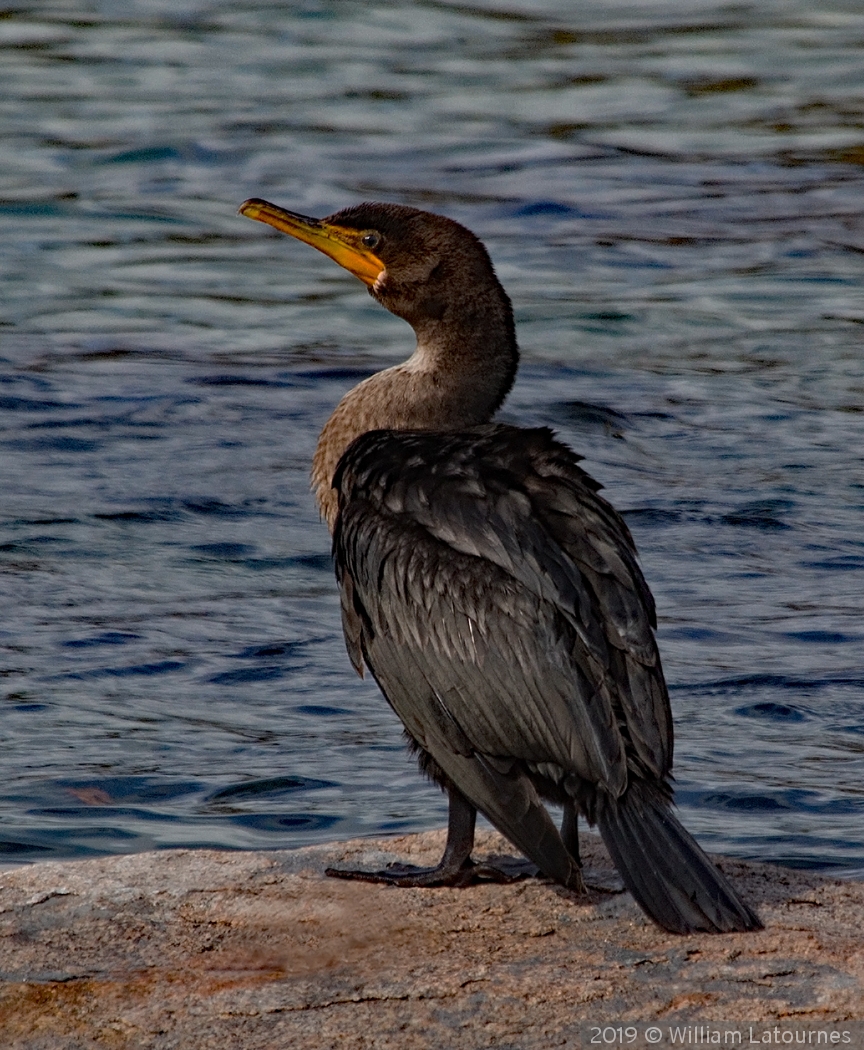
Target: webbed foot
(407, 875)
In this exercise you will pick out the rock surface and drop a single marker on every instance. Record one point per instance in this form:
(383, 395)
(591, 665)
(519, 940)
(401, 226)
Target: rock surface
(259, 951)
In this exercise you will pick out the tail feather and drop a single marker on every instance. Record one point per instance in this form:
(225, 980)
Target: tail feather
(661, 864)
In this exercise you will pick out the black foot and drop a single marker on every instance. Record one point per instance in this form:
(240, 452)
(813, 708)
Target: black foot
(612, 886)
(407, 875)
(577, 883)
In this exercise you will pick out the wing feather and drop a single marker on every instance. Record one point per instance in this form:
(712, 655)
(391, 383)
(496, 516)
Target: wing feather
(497, 600)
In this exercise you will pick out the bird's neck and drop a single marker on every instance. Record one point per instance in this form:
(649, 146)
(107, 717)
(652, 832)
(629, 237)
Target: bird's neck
(447, 384)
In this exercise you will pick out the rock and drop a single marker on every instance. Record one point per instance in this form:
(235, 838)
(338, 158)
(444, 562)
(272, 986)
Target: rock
(259, 951)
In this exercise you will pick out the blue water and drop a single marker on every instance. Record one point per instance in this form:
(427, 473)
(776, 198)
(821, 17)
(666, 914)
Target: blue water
(672, 193)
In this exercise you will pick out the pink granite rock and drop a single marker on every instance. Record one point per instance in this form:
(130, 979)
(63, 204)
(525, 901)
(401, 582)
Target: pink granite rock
(259, 951)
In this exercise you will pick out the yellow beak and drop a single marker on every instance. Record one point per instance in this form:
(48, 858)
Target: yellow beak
(341, 243)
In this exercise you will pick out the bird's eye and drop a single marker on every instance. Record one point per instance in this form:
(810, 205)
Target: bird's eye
(370, 239)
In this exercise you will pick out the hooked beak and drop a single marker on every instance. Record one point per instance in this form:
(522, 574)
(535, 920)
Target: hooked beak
(341, 243)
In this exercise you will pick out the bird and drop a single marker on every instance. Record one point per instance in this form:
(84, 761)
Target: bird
(492, 592)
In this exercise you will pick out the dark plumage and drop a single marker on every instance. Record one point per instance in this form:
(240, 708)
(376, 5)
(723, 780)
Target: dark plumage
(492, 592)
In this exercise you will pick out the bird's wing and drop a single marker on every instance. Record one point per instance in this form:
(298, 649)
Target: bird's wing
(597, 539)
(485, 623)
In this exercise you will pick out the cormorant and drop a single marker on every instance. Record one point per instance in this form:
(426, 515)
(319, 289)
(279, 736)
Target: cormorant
(492, 592)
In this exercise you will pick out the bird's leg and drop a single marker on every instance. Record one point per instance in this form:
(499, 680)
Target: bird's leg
(570, 831)
(455, 867)
(570, 838)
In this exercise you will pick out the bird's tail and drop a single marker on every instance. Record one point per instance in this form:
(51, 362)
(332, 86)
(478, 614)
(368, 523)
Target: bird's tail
(661, 864)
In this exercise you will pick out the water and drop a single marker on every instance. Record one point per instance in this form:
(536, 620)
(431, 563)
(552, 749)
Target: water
(672, 193)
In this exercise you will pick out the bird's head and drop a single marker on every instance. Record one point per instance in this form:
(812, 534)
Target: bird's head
(420, 266)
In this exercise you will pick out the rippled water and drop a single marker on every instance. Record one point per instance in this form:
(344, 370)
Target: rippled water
(672, 193)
